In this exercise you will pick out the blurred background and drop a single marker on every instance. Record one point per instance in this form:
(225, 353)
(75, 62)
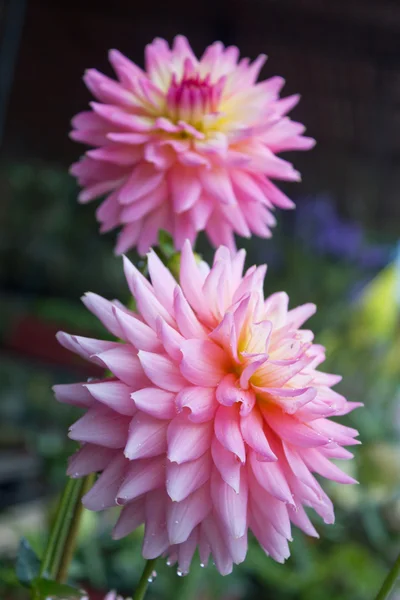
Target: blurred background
(338, 249)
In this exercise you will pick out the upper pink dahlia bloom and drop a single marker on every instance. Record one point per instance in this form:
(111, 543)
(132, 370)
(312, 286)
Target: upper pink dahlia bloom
(186, 145)
(216, 415)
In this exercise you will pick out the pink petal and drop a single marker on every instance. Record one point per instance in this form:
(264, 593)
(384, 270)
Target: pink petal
(203, 363)
(228, 432)
(147, 437)
(231, 506)
(140, 335)
(161, 371)
(228, 465)
(114, 394)
(131, 517)
(183, 479)
(220, 552)
(143, 180)
(170, 338)
(187, 321)
(101, 426)
(156, 402)
(185, 188)
(162, 280)
(187, 440)
(200, 401)
(103, 493)
(183, 516)
(73, 393)
(253, 434)
(141, 477)
(125, 365)
(89, 459)
(155, 534)
(271, 477)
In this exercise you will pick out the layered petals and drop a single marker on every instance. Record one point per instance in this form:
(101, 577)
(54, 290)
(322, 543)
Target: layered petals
(186, 145)
(214, 420)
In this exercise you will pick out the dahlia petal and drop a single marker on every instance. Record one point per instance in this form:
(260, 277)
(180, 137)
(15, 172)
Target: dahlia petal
(183, 479)
(229, 392)
(161, 371)
(142, 181)
(187, 321)
(144, 205)
(101, 426)
(103, 493)
(158, 219)
(274, 511)
(192, 280)
(149, 307)
(155, 540)
(270, 476)
(89, 459)
(220, 552)
(228, 465)
(225, 335)
(321, 465)
(163, 282)
(203, 362)
(141, 476)
(184, 516)
(162, 157)
(170, 338)
(128, 237)
(185, 188)
(155, 402)
(73, 393)
(299, 517)
(269, 539)
(217, 183)
(251, 426)
(335, 432)
(200, 401)
(187, 440)
(124, 363)
(103, 310)
(140, 335)
(186, 551)
(227, 431)
(289, 429)
(147, 437)
(114, 394)
(130, 518)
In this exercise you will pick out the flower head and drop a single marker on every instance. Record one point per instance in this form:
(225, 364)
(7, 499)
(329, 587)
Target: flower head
(186, 145)
(216, 416)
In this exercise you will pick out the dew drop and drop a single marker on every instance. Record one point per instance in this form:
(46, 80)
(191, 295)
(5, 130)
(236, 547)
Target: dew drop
(169, 563)
(202, 565)
(179, 573)
(154, 574)
(150, 579)
(176, 522)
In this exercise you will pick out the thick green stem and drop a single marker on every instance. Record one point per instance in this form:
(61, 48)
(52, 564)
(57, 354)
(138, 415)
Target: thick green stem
(390, 581)
(61, 543)
(144, 580)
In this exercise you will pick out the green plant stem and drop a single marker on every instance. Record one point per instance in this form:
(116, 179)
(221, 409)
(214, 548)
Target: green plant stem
(390, 581)
(144, 580)
(61, 543)
(72, 534)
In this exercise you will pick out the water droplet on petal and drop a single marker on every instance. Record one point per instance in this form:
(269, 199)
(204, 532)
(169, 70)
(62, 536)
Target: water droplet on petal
(202, 565)
(179, 573)
(150, 579)
(154, 574)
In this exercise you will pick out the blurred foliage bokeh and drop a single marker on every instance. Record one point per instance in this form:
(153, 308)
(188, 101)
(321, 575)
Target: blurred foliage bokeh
(51, 253)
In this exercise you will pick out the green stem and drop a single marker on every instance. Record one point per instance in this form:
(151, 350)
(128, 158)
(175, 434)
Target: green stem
(61, 543)
(144, 580)
(390, 581)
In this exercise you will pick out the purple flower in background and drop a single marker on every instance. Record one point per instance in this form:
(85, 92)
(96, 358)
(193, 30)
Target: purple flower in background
(318, 225)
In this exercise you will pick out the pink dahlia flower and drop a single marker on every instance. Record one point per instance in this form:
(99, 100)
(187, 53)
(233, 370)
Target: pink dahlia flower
(215, 418)
(186, 145)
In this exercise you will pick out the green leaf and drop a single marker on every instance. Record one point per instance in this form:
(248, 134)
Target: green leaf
(166, 244)
(47, 588)
(28, 563)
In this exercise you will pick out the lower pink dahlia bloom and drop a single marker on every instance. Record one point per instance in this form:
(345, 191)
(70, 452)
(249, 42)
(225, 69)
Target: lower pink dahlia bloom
(215, 418)
(186, 145)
